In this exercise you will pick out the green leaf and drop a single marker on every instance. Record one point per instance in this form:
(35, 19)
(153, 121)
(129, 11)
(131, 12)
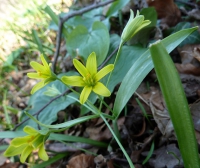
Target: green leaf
(194, 38)
(49, 114)
(66, 124)
(177, 104)
(116, 6)
(85, 42)
(141, 68)
(69, 138)
(37, 41)
(12, 134)
(50, 161)
(128, 56)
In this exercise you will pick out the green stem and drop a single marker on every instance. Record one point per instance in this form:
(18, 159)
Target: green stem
(118, 142)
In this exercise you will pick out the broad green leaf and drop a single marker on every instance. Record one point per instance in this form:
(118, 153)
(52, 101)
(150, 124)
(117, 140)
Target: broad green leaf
(116, 6)
(84, 42)
(142, 66)
(194, 38)
(39, 100)
(12, 134)
(176, 103)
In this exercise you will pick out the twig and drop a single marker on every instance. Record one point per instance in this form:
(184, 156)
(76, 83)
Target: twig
(68, 16)
(109, 57)
(39, 111)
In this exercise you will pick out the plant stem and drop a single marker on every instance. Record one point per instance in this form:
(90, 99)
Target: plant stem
(118, 142)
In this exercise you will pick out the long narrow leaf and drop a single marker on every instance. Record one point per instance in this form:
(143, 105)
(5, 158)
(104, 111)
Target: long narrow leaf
(177, 104)
(142, 67)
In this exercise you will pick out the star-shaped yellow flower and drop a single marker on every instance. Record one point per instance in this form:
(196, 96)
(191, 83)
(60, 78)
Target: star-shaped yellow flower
(90, 78)
(43, 72)
(25, 145)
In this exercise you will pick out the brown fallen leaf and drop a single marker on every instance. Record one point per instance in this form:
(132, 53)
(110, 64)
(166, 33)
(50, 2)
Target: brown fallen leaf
(167, 11)
(188, 69)
(102, 162)
(101, 132)
(81, 161)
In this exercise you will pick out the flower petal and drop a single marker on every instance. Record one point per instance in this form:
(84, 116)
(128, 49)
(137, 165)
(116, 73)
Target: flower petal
(20, 141)
(73, 80)
(37, 66)
(12, 150)
(37, 86)
(91, 64)
(85, 94)
(25, 153)
(44, 62)
(100, 89)
(34, 76)
(80, 67)
(103, 72)
(42, 153)
(30, 130)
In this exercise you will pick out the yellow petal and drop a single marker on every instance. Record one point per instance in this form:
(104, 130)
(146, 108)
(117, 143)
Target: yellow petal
(44, 62)
(42, 153)
(91, 64)
(103, 72)
(30, 130)
(37, 66)
(37, 86)
(25, 153)
(73, 80)
(34, 76)
(85, 94)
(12, 150)
(100, 89)
(80, 67)
(20, 141)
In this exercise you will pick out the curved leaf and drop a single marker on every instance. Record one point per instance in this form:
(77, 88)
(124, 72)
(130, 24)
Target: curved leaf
(142, 67)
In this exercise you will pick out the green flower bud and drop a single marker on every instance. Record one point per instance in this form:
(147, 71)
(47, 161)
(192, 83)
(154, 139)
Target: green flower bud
(133, 26)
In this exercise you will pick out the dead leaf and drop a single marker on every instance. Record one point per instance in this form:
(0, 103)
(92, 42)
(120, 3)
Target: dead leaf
(159, 111)
(102, 162)
(188, 69)
(101, 132)
(164, 157)
(170, 14)
(81, 161)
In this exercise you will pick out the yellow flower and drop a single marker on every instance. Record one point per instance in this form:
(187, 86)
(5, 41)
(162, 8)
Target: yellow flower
(133, 26)
(90, 78)
(43, 72)
(25, 145)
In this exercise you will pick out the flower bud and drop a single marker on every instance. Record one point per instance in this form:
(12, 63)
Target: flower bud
(133, 26)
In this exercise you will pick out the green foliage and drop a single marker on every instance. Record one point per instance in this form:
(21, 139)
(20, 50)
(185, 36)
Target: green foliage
(98, 40)
(194, 38)
(141, 68)
(115, 7)
(177, 104)
(84, 35)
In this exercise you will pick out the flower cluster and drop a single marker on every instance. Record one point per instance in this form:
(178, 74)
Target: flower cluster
(25, 145)
(89, 78)
(44, 73)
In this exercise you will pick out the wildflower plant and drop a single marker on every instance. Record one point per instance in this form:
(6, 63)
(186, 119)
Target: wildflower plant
(25, 145)
(90, 78)
(90, 81)
(44, 73)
